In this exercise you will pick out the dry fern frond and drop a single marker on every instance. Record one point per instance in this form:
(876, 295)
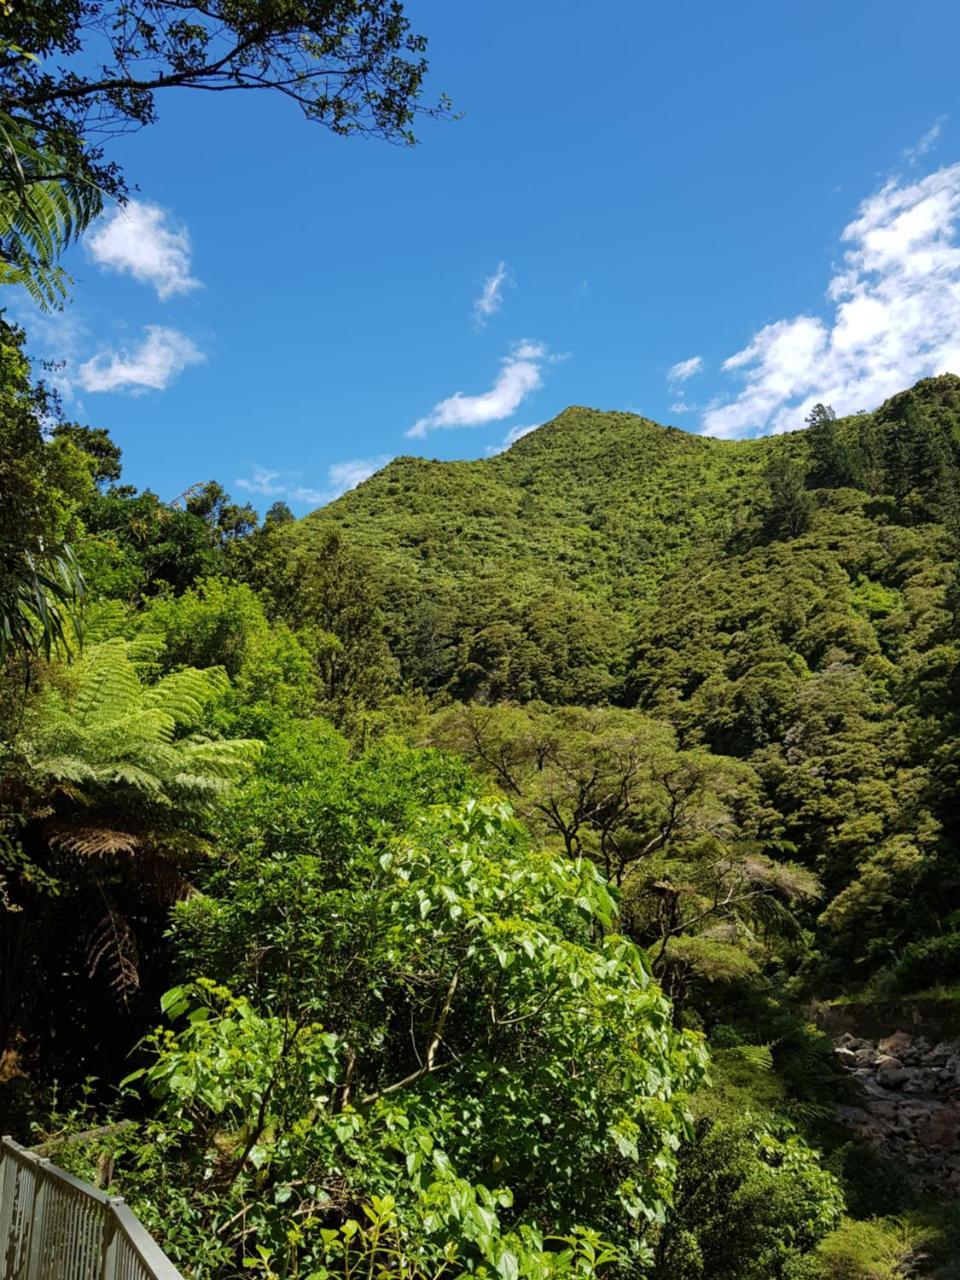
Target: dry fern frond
(166, 882)
(111, 945)
(91, 841)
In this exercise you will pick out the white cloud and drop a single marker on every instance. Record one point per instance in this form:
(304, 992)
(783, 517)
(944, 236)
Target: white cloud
(491, 295)
(517, 433)
(926, 143)
(895, 317)
(347, 475)
(341, 476)
(137, 239)
(520, 374)
(685, 369)
(152, 366)
(263, 482)
(513, 435)
(681, 406)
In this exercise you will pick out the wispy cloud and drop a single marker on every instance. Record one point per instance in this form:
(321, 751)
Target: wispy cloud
(895, 317)
(139, 239)
(680, 406)
(491, 295)
(924, 144)
(520, 375)
(288, 485)
(269, 484)
(152, 366)
(684, 369)
(513, 435)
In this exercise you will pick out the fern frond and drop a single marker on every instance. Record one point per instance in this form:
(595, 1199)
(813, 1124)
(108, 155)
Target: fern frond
(167, 882)
(109, 687)
(115, 740)
(229, 758)
(132, 775)
(43, 208)
(91, 841)
(66, 769)
(757, 1056)
(185, 695)
(110, 944)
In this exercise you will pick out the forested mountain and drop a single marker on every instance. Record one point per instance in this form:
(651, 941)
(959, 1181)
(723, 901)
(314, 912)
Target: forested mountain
(484, 841)
(786, 602)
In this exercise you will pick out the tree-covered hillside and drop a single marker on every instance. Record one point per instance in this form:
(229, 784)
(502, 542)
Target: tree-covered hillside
(556, 545)
(480, 843)
(788, 602)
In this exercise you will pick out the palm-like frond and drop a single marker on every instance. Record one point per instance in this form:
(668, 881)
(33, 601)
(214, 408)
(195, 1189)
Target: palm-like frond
(126, 782)
(90, 841)
(44, 207)
(127, 745)
(39, 599)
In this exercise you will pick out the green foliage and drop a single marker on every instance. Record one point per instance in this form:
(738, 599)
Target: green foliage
(871, 1250)
(45, 204)
(750, 1204)
(108, 802)
(790, 509)
(352, 67)
(272, 671)
(681, 832)
(315, 582)
(933, 961)
(720, 685)
(518, 577)
(114, 743)
(40, 485)
(484, 1060)
(137, 546)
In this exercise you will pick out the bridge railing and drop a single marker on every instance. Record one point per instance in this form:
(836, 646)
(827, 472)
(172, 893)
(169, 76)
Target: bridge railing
(55, 1227)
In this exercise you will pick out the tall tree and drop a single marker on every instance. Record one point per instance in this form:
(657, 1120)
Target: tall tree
(39, 581)
(790, 509)
(92, 68)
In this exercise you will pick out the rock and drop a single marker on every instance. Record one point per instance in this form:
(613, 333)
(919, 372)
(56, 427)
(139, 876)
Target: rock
(853, 1115)
(921, 1080)
(940, 1054)
(896, 1045)
(891, 1073)
(942, 1128)
(909, 1107)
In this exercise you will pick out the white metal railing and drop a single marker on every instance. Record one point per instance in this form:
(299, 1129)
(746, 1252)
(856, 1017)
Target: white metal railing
(55, 1227)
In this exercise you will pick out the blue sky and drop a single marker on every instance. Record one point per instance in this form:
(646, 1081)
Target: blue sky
(714, 215)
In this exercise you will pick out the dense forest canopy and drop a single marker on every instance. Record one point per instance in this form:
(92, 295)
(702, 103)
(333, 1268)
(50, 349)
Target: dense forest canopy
(440, 883)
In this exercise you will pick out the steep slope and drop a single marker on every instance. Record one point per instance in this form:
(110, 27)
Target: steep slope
(788, 601)
(599, 502)
(521, 575)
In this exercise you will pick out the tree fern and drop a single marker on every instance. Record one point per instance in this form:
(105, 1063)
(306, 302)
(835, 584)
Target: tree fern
(43, 209)
(126, 744)
(124, 781)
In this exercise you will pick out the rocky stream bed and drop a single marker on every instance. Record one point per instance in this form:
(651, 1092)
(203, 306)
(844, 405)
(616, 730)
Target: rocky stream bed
(907, 1104)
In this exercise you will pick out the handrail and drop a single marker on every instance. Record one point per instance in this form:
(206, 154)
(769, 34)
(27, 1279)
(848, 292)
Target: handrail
(53, 1226)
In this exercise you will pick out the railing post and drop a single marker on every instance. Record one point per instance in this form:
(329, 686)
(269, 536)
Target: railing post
(7, 1237)
(38, 1212)
(111, 1240)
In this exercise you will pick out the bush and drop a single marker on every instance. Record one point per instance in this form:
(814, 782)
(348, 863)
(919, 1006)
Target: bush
(932, 962)
(875, 1250)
